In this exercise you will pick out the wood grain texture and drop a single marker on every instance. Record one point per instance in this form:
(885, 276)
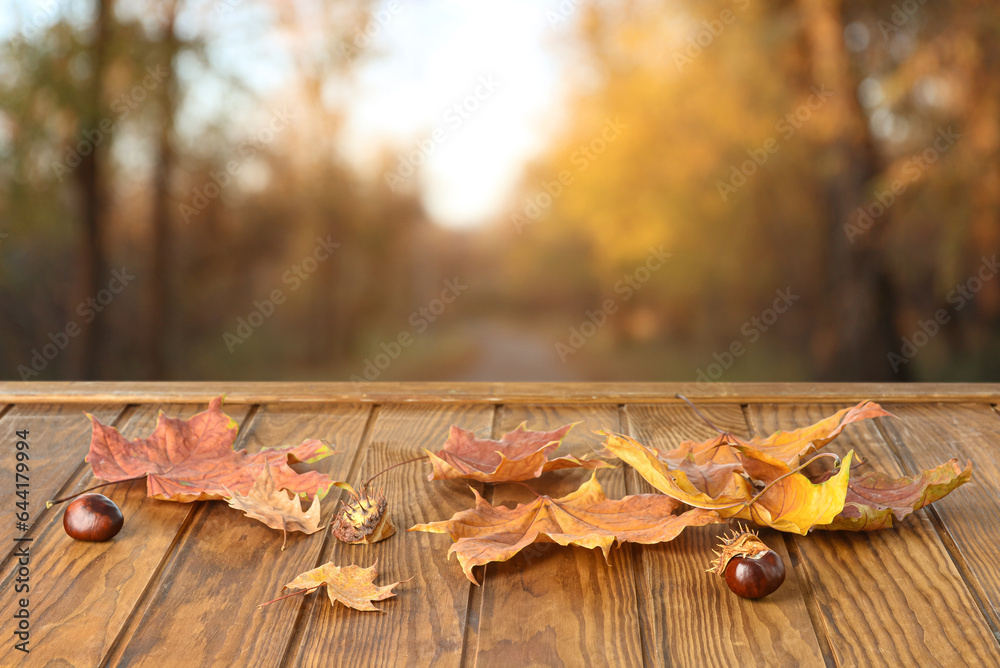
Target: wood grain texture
(891, 597)
(927, 435)
(82, 594)
(424, 624)
(489, 393)
(553, 605)
(226, 563)
(690, 617)
(58, 440)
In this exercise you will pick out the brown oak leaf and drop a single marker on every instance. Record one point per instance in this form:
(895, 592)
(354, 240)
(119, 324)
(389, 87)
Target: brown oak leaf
(190, 460)
(351, 585)
(585, 517)
(278, 509)
(874, 500)
(519, 455)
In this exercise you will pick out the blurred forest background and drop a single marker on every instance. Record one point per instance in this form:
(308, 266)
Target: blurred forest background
(710, 189)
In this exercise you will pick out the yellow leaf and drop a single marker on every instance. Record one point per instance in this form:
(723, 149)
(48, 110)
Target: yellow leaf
(792, 502)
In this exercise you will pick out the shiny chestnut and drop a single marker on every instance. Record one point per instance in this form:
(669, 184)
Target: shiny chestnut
(93, 517)
(751, 568)
(756, 576)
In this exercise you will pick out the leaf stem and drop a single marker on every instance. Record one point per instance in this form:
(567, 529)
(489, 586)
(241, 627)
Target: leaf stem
(52, 502)
(408, 461)
(517, 482)
(294, 593)
(699, 414)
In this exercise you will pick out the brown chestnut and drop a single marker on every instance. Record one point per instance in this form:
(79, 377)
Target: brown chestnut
(756, 576)
(93, 517)
(751, 568)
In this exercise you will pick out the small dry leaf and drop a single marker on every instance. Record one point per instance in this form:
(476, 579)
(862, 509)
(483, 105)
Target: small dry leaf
(519, 455)
(364, 518)
(278, 509)
(585, 517)
(351, 585)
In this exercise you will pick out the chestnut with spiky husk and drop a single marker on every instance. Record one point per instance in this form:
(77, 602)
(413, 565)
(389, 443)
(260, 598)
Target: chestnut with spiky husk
(751, 569)
(364, 518)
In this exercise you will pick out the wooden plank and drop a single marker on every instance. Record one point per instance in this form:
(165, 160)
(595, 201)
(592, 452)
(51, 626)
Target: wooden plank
(489, 393)
(553, 605)
(82, 593)
(891, 597)
(58, 440)
(927, 435)
(689, 616)
(226, 563)
(424, 623)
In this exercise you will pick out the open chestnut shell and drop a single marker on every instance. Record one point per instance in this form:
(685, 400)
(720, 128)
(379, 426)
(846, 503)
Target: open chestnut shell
(93, 517)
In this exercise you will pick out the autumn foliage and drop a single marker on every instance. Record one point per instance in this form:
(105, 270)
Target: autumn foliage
(772, 481)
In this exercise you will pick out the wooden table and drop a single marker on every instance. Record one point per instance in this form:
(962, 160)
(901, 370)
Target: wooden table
(180, 584)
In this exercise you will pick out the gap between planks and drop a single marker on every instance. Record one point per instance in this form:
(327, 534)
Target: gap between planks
(909, 467)
(306, 607)
(802, 575)
(73, 478)
(474, 606)
(142, 603)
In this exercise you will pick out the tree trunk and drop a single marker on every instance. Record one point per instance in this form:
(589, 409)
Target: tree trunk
(862, 298)
(159, 304)
(90, 177)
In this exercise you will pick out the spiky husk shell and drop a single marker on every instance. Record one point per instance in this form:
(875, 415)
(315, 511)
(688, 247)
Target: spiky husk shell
(743, 543)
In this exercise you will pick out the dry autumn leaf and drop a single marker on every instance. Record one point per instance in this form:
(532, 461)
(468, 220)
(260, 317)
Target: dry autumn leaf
(519, 455)
(190, 460)
(278, 509)
(351, 585)
(585, 517)
(788, 446)
(675, 483)
(791, 501)
(875, 499)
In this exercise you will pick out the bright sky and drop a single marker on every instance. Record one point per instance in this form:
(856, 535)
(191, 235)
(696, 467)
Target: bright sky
(438, 54)
(470, 89)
